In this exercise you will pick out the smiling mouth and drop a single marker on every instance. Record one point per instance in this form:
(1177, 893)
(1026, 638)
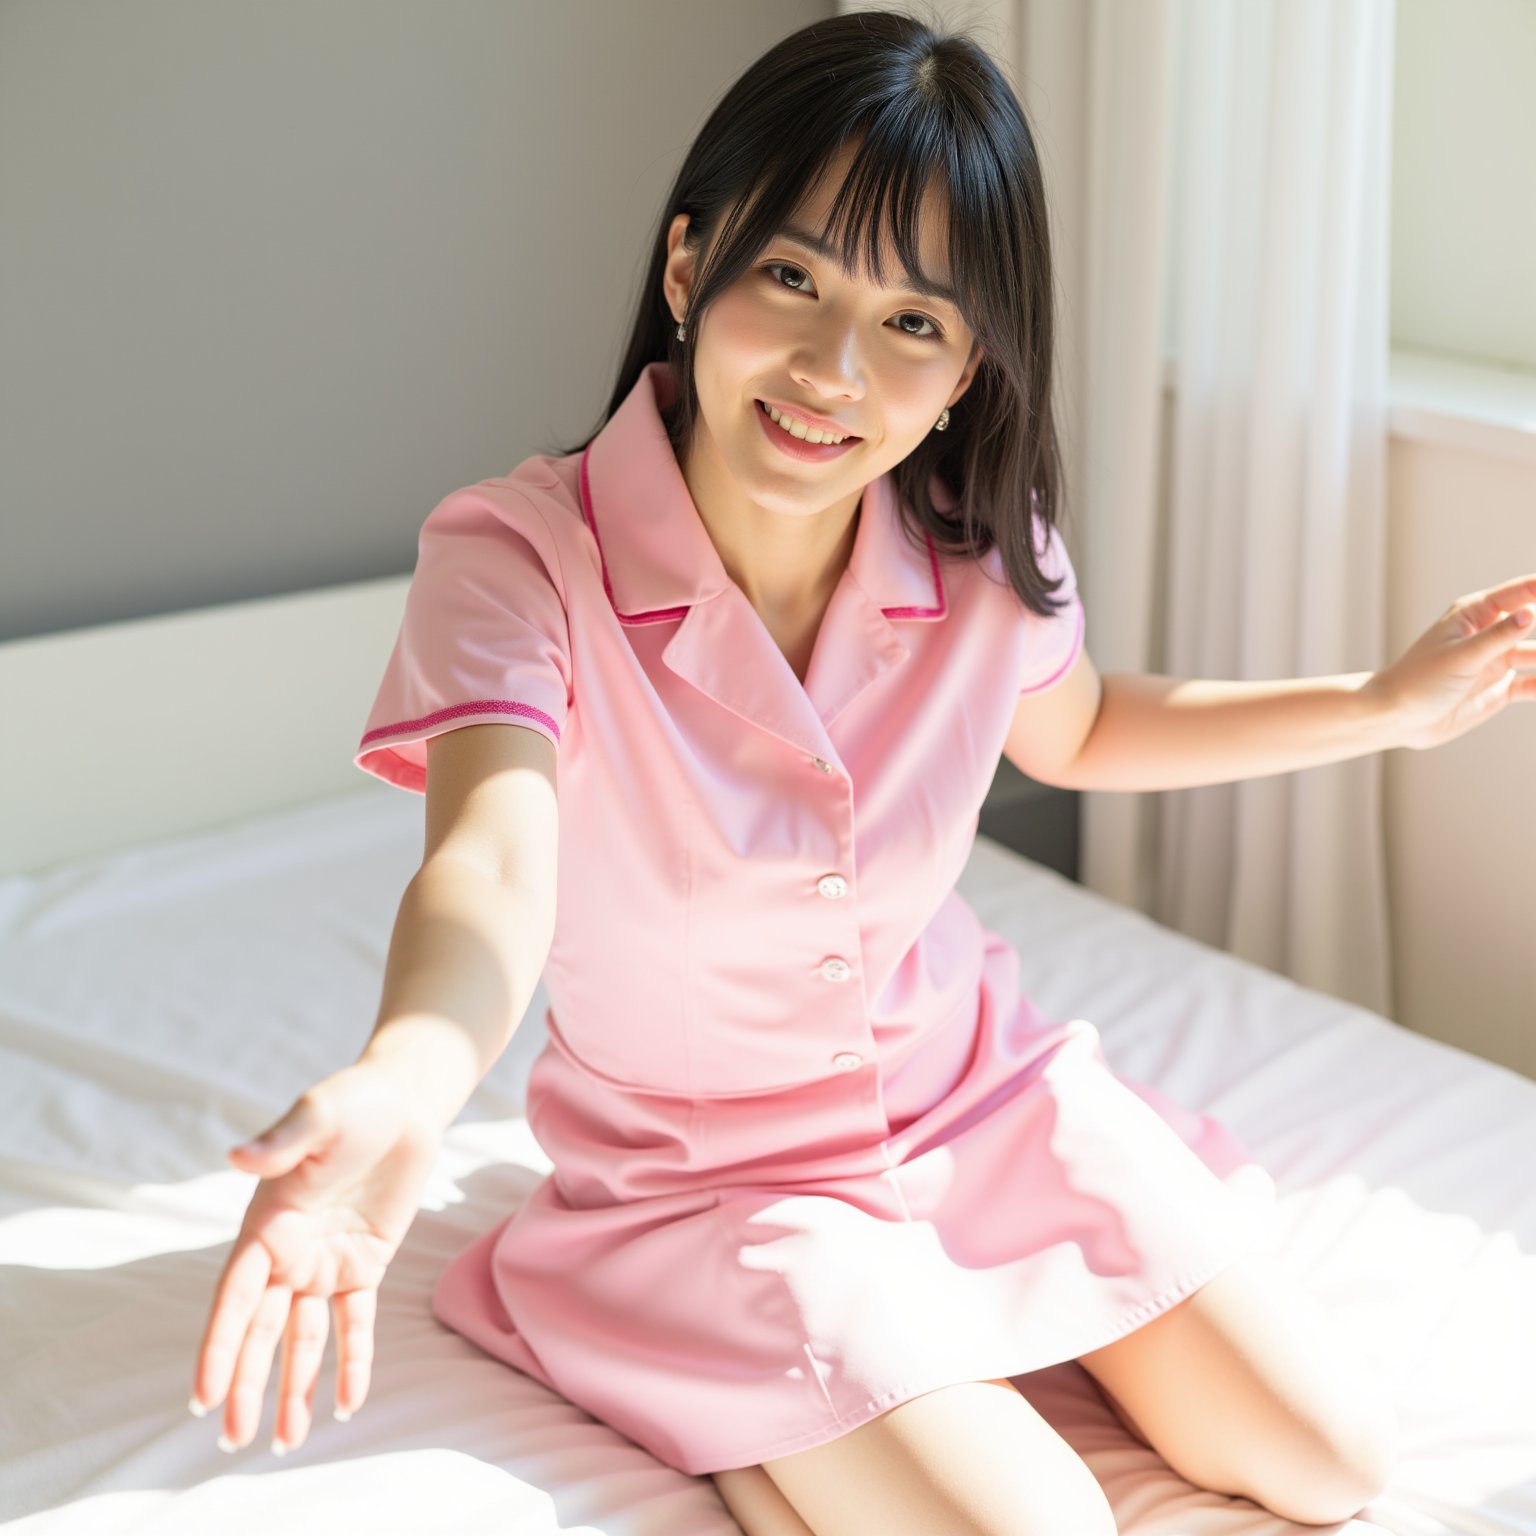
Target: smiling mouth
(847, 437)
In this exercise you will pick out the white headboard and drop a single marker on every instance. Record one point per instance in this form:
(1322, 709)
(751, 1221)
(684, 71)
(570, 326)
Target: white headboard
(124, 733)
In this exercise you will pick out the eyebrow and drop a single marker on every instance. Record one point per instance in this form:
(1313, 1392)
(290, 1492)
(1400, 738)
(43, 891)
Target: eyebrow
(825, 248)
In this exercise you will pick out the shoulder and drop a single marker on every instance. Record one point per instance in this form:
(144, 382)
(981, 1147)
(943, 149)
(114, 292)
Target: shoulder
(546, 486)
(535, 509)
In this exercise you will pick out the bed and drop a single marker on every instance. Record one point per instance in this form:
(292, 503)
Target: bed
(196, 894)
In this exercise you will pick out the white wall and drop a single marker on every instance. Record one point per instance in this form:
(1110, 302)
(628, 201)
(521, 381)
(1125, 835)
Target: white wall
(1461, 831)
(1464, 179)
(1461, 474)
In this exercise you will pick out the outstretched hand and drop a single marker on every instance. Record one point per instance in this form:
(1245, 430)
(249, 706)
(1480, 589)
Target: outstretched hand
(1465, 668)
(341, 1176)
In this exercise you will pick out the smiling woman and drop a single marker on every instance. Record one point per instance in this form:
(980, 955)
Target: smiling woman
(844, 377)
(884, 278)
(824, 1179)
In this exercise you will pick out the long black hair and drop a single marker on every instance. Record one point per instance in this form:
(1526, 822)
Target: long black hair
(918, 105)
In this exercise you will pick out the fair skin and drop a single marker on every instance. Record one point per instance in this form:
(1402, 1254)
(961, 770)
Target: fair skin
(883, 361)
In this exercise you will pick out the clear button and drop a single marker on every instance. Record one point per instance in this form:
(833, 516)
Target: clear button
(846, 1061)
(832, 885)
(836, 968)
(825, 767)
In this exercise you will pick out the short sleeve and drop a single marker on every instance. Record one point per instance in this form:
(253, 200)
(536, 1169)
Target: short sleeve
(484, 637)
(1056, 641)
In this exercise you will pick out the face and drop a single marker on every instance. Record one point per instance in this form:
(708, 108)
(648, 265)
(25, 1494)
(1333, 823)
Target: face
(796, 332)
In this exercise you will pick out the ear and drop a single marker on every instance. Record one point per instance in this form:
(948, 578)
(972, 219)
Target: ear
(963, 383)
(677, 275)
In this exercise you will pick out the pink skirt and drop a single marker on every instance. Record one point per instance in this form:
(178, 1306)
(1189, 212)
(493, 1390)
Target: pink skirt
(1040, 1207)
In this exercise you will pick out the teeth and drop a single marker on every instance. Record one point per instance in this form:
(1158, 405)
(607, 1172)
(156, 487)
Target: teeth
(799, 429)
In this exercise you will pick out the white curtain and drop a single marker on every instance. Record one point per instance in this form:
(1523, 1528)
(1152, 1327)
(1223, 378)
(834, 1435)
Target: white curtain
(1218, 174)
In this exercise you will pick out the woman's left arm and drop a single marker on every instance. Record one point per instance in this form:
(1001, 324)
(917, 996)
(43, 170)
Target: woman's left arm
(1155, 732)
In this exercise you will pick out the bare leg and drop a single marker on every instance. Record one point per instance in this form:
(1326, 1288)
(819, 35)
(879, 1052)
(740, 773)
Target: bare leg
(756, 1504)
(975, 1458)
(1246, 1387)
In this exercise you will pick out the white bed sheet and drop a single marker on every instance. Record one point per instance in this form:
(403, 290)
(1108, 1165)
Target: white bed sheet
(160, 1005)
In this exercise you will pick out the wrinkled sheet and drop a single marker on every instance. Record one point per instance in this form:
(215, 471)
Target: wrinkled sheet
(159, 1005)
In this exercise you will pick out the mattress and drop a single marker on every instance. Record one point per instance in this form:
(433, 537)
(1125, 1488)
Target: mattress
(159, 1005)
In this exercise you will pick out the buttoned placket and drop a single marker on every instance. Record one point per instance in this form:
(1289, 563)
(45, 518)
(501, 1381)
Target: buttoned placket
(836, 969)
(658, 564)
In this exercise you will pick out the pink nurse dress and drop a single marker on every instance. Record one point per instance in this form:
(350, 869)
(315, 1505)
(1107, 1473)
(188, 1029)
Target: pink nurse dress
(814, 1151)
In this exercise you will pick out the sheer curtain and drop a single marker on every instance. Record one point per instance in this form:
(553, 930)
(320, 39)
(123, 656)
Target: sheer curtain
(1218, 173)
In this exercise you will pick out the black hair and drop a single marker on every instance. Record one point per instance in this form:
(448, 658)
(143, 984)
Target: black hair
(918, 105)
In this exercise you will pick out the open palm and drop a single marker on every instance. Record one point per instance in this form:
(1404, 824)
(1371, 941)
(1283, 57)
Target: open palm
(341, 1183)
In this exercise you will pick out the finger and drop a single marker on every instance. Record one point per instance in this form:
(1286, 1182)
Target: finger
(309, 1322)
(1488, 606)
(355, 1313)
(1503, 631)
(281, 1148)
(242, 1415)
(236, 1297)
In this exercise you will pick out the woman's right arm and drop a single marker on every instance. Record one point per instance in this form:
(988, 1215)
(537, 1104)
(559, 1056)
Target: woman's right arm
(341, 1173)
(477, 919)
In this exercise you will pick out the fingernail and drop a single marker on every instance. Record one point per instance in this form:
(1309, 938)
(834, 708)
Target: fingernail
(226, 1444)
(196, 1408)
(278, 1448)
(343, 1414)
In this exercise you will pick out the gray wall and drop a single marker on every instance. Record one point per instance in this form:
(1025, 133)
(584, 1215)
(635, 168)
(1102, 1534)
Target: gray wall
(276, 277)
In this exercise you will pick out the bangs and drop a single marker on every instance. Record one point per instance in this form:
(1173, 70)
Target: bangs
(877, 209)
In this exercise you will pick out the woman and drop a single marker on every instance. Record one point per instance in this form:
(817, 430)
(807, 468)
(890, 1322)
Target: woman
(824, 1180)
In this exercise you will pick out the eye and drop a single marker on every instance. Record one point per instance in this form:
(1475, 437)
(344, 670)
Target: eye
(935, 334)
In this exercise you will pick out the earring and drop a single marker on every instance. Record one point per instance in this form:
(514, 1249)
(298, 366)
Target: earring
(943, 420)
(682, 332)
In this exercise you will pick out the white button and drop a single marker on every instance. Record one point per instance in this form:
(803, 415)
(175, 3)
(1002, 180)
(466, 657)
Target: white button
(832, 885)
(824, 766)
(836, 969)
(846, 1061)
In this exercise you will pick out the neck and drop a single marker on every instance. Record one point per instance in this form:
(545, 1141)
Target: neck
(786, 564)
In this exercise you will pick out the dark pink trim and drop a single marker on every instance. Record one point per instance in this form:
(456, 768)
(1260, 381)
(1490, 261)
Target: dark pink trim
(938, 586)
(650, 616)
(1077, 635)
(454, 711)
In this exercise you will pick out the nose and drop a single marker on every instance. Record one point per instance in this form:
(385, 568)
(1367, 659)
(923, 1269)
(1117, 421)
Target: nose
(829, 372)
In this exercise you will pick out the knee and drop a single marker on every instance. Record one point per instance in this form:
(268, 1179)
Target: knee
(1372, 1465)
(1370, 1452)
(1351, 1471)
